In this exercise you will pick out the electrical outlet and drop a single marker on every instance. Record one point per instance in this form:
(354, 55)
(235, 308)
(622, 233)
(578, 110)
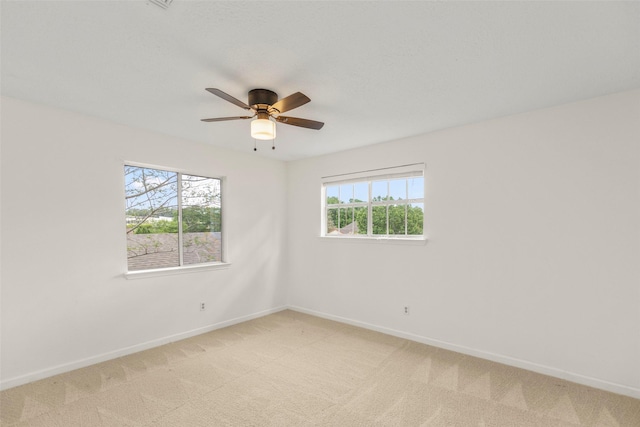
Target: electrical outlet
(202, 306)
(406, 310)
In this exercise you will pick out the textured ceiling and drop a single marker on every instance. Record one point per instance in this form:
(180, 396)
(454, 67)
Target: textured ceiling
(375, 71)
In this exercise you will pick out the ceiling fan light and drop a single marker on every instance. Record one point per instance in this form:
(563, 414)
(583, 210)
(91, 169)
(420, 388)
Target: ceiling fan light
(263, 129)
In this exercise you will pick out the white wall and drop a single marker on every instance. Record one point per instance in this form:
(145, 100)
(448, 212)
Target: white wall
(532, 259)
(533, 256)
(65, 302)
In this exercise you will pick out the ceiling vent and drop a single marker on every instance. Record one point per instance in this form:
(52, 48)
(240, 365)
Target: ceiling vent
(162, 3)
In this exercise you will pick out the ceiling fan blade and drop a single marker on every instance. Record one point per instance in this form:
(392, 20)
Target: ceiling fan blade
(229, 98)
(222, 119)
(291, 102)
(303, 123)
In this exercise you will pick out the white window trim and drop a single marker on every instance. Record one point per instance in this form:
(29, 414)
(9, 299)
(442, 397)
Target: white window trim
(383, 240)
(189, 268)
(414, 169)
(404, 171)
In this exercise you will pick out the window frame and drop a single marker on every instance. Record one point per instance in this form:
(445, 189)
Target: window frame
(390, 173)
(182, 268)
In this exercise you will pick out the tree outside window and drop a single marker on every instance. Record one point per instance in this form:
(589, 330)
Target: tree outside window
(172, 219)
(391, 207)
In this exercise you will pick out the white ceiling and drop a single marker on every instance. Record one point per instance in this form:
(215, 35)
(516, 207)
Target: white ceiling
(375, 71)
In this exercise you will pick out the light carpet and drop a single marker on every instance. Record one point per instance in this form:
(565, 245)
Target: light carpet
(292, 369)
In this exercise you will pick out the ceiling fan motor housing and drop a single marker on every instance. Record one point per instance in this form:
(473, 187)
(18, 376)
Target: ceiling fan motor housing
(265, 105)
(262, 98)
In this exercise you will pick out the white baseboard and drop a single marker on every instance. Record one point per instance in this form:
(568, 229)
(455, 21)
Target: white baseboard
(506, 360)
(66, 367)
(518, 363)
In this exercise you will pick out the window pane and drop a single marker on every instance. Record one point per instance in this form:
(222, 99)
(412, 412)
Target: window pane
(382, 206)
(332, 194)
(397, 219)
(151, 197)
(332, 221)
(398, 189)
(201, 220)
(379, 220)
(380, 190)
(346, 221)
(346, 193)
(361, 192)
(416, 187)
(415, 218)
(360, 216)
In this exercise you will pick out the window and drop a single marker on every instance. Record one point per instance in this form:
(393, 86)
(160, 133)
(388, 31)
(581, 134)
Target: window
(381, 203)
(172, 219)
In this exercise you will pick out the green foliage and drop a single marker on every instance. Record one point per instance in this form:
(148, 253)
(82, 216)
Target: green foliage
(195, 219)
(152, 202)
(338, 218)
(387, 218)
(379, 219)
(157, 227)
(414, 220)
(200, 219)
(140, 213)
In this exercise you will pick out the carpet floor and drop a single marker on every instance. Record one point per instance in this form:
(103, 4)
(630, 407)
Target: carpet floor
(292, 369)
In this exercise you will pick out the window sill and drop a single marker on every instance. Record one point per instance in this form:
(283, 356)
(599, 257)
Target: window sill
(418, 241)
(157, 272)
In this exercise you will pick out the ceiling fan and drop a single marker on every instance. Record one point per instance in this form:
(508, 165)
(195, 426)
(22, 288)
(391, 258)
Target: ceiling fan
(264, 104)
